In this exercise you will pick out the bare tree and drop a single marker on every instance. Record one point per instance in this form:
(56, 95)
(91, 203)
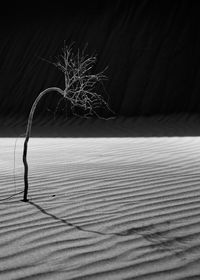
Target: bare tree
(79, 91)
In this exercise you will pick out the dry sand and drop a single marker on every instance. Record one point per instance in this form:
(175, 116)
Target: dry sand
(142, 126)
(101, 208)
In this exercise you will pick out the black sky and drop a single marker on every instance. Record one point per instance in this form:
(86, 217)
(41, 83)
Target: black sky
(151, 48)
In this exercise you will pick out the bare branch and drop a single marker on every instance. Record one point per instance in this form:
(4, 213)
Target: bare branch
(80, 82)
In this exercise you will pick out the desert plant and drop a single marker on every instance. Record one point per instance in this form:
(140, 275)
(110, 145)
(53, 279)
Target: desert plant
(79, 91)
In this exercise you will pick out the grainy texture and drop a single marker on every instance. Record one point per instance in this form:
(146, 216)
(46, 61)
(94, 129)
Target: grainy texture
(117, 208)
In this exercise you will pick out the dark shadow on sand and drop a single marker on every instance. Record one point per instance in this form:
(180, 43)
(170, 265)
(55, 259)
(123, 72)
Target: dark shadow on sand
(133, 230)
(157, 239)
(64, 221)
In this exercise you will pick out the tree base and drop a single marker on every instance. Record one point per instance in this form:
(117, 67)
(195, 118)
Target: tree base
(25, 200)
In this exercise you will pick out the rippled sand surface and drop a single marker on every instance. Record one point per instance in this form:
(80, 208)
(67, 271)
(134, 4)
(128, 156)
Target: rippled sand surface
(101, 208)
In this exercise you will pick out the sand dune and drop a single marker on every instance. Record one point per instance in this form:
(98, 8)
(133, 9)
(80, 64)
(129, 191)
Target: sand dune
(142, 126)
(101, 208)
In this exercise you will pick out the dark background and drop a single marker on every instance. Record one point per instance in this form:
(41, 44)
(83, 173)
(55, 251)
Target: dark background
(152, 49)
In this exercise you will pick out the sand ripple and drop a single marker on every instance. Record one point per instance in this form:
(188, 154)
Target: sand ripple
(108, 208)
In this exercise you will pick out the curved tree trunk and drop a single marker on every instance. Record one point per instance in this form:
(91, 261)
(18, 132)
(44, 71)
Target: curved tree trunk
(28, 133)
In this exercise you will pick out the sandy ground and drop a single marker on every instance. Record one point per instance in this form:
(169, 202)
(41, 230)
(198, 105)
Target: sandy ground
(101, 208)
(146, 126)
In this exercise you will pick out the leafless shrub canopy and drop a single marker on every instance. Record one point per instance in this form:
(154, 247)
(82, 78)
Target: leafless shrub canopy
(80, 83)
